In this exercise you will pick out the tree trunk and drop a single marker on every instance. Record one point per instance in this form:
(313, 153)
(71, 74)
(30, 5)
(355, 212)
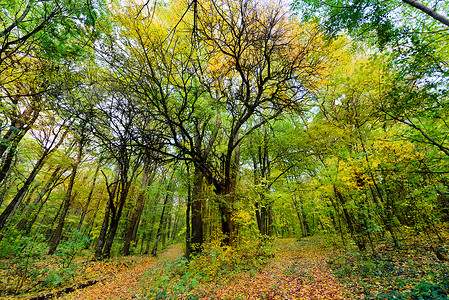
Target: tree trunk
(68, 199)
(10, 141)
(104, 227)
(5, 188)
(153, 220)
(57, 234)
(228, 192)
(24, 222)
(93, 218)
(357, 239)
(196, 239)
(304, 221)
(174, 230)
(131, 229)
(8, 160)
(18, 197)
(89, 197)
(37, 167)
(30, 223)
(162, 220)
(125, 184)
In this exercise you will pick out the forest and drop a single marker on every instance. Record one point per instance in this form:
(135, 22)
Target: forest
(223, 149)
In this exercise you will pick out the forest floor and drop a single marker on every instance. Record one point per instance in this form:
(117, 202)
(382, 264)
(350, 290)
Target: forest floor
(304, 269)
(297, 271)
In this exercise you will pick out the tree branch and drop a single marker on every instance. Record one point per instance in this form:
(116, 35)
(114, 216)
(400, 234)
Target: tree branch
(432, 13)
(17, 21)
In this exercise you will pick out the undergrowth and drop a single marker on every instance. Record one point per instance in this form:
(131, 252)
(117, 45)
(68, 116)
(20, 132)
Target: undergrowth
(25, 267)
(410, 271)
(179, 278)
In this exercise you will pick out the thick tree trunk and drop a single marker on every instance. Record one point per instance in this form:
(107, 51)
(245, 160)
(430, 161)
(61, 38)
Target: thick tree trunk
(5, 186)
(262, 220)
(104, 228)
(8, 160)
(110, 237)
(304, 221)
(10, 141)
(228, 192)
(270, 225)
(57, 234)
(196, 240)
(349, 221)
(125, 184)
(429, 11)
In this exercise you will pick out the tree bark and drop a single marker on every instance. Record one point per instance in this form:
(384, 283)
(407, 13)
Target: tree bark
(133, 223)
(68, 199)
(105, 225)
(153, 220)
(196, 240)
(125, 184)
(18, 128)
(427, 10)
(8, 160)
(22, 191)
(162, 219)
(89, 197)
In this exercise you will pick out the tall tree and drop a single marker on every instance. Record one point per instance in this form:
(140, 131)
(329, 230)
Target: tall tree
(50, 137)
(149, 171)
(57, 235)
(416, 50)
(225, 84)
(38, 39)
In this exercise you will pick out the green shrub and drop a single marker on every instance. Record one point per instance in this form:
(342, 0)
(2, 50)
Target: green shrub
(423, 291)
(178, 278)
(65, 255)
(21, 256)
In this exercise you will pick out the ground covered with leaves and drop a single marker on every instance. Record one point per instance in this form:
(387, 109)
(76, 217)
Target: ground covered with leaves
(297, 270)
(283, 269)
(413, 270)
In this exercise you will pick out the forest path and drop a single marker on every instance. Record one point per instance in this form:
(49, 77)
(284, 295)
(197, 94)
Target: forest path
(122, 281)
(298, 271)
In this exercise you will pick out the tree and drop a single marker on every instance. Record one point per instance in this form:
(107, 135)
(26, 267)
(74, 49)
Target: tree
(366, 16)
(81, 143)
(417, 53)
(260, 67)
(89, 197)
(38, 40)
(50, 137)
(47, 26)
(234, 80)
(149, 172)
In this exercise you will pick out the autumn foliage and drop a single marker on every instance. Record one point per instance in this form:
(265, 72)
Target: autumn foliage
(224, 149)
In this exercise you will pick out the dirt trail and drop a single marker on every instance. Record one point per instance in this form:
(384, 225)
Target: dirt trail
(305, 274)
(299, 271)
(123, 281)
